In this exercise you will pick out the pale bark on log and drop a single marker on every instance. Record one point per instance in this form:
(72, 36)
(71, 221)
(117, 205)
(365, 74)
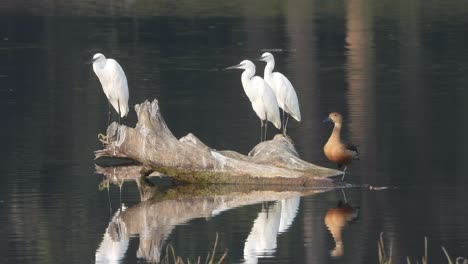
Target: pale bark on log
(189, 160)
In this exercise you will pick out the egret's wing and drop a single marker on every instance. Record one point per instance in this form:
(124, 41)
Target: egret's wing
(269, 101)
(278, 87)
(104, 79)
(119, 90)
(287, 95)
(255, 97)
(259, 109)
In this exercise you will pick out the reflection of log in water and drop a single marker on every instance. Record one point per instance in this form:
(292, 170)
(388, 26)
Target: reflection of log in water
(153, 220)
(121, 173)
(189, 160)
(336, 219)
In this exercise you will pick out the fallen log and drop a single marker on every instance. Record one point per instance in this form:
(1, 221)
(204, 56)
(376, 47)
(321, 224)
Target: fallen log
(189, 160)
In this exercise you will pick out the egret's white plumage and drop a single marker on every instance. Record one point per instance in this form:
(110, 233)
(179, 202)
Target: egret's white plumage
(259, 93)
(282, 87)
(113, 81)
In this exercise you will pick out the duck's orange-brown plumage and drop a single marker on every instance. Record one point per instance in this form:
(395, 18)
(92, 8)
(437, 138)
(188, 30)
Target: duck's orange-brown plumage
(335, 150)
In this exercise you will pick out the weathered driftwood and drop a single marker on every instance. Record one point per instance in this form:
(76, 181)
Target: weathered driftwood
(189, 160)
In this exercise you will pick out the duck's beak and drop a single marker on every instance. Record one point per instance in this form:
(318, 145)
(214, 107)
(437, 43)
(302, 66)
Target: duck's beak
(327, 120)
(237, 66)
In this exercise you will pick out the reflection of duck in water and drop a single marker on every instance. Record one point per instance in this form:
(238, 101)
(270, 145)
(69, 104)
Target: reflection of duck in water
(336, 219)
(114, 243)
(335, 149)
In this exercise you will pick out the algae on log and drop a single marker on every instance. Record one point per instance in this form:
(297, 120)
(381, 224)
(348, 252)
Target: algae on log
(189, 160)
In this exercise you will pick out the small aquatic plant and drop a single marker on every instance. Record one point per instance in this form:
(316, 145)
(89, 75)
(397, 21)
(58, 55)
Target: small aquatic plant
(386, 257)
(172, 258)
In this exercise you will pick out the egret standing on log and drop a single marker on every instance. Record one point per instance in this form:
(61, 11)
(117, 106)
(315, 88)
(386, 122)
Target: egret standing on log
(335, 149)
(114, 83)
(284, 91)
(260, 95)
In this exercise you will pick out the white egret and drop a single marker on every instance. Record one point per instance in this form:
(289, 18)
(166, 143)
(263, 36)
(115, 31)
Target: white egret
(284, 91)
(113, 82)
(260, 95)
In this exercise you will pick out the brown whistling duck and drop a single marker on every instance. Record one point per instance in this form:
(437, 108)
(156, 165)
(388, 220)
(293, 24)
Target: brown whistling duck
(335, 150)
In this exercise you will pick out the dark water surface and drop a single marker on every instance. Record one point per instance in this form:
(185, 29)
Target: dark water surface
(397, 70)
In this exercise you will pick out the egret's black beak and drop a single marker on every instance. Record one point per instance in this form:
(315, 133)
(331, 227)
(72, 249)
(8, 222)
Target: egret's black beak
(327, 120)
(92, 61)
(260, 59)
(232, 67)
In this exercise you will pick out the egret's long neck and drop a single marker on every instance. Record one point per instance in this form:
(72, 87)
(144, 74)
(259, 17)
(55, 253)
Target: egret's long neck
(99, 65)
(336, 134)
(269, 69)
(247, 74)
(246, 81)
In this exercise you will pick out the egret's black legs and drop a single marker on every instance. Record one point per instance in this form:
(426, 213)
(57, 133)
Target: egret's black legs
(286, 124)
(282, 120)
(118, 130)
(266, 127)
(109, 199)
(118, 104)
(120, 193)
(344, 172)
(261, 130)
(110, 115)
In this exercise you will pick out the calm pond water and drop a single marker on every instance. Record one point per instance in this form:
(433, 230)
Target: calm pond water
(398, 71)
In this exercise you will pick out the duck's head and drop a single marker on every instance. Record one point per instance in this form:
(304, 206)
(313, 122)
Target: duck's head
(334, 117)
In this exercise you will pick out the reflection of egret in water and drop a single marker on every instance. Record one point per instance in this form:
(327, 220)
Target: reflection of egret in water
(105, 184)
(289, 208)
(336, 219)
(262, 240)
(114, 243)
